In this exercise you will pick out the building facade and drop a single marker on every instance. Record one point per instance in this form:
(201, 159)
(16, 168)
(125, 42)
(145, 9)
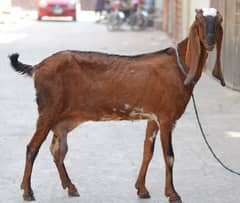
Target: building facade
(172, 17)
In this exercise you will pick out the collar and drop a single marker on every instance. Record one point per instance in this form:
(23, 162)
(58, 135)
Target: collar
(180, 65)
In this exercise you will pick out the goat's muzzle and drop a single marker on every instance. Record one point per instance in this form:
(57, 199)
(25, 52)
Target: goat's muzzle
(211, 40)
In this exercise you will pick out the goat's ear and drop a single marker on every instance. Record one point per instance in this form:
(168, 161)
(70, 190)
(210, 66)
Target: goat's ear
(192, 54)
(198, 11)
(217, 72)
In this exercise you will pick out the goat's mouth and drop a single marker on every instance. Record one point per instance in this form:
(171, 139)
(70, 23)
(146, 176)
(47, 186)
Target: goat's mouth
(209, 47)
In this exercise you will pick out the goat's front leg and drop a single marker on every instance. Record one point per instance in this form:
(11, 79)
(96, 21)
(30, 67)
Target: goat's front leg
(166, 140)
(59, 149)
(151, 132)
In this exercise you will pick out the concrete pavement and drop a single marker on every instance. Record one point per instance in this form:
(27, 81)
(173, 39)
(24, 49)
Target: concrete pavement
(104, 158)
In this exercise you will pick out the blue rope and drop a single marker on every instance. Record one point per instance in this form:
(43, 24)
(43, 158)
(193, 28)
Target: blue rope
(181, 68)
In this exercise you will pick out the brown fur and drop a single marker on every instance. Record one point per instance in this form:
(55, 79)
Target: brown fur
(75, 87)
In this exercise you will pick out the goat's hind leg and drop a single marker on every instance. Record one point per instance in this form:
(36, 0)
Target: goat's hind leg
(151, 132)
(43, 127)
(59, 149)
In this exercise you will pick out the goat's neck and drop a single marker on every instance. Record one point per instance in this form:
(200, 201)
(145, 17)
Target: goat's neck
(182, 47)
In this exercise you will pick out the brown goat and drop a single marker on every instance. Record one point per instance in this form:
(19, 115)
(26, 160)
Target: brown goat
(74, 87)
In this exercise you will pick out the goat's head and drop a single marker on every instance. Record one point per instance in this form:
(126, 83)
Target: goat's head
(206, 31)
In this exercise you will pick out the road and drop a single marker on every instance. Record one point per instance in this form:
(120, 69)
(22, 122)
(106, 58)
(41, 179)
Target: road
(104, 158)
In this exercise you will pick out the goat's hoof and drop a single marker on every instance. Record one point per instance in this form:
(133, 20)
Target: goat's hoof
(73, 194)
(145, 195)
(72, 191)
(142, 193)
(175, 201)
(29, 197)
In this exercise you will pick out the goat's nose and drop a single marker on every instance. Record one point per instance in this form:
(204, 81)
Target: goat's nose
(210, 38)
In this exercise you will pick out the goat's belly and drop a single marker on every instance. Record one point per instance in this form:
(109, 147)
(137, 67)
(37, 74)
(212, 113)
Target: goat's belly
(71, 120)
(131, 116)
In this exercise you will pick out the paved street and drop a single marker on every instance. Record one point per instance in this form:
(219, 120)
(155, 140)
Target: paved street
(104, 158)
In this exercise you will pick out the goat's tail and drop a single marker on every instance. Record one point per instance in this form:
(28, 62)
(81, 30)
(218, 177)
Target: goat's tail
(20, 67)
